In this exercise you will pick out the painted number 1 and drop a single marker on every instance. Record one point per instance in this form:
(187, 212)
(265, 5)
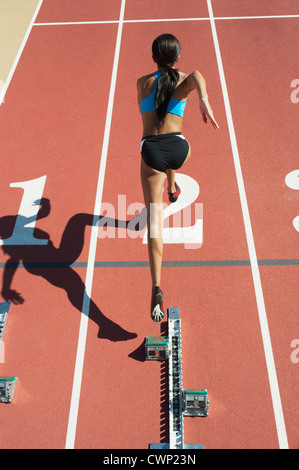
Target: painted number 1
(23, 233)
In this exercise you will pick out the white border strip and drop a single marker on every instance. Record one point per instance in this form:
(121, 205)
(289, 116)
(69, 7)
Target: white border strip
(157, 20)
(74, 406)
(17, 58)
(276, 401)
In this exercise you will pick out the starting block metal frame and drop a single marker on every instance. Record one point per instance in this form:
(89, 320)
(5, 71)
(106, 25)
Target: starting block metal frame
(7, 384)
(181, 402)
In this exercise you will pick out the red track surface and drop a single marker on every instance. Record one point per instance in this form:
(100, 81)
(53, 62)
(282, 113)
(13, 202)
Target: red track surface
(53, 123)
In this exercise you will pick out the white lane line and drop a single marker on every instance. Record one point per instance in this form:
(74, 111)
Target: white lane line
(74, 406)
(158, 20)
(17, 58)
(146, 20)
(265, 17)
(66, 23)
(276, 401)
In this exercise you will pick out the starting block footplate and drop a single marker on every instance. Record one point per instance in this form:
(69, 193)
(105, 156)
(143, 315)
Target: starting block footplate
(7, 388)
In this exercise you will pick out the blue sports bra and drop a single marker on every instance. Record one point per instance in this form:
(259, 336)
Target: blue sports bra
(174, 106)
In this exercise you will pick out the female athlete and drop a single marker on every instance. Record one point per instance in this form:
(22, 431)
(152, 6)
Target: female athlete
(162, 97)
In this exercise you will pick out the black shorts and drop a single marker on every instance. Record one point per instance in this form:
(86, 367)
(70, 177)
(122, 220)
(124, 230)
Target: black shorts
(164, 151)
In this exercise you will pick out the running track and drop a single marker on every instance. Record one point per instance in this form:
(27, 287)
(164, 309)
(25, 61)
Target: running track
(70, 116)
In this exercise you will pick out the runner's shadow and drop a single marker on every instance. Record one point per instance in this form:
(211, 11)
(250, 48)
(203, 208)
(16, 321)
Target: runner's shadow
(139, 353)
(54, 264)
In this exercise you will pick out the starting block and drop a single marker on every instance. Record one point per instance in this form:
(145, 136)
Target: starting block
(4, 309)
(7, 388)
(156, 348)
(188, 402)
(196, 402)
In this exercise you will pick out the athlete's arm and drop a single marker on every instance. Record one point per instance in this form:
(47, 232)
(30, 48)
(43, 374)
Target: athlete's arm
(138, 92)
(196, 81)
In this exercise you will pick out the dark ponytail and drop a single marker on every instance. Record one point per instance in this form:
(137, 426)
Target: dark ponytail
(166, 50)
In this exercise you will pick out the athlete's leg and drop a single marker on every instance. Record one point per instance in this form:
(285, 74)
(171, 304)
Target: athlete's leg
(152, 185)
(170, 180)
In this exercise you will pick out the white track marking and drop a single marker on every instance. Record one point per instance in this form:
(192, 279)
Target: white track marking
(72, 423)
(183, 234)
(292, 180)
(264, 17)
(70, 23)
(158, 20)
(276, 401)
(17, 58)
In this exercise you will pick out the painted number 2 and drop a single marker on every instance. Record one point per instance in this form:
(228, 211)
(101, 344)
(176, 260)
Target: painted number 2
(191, 236)
(23, 233)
